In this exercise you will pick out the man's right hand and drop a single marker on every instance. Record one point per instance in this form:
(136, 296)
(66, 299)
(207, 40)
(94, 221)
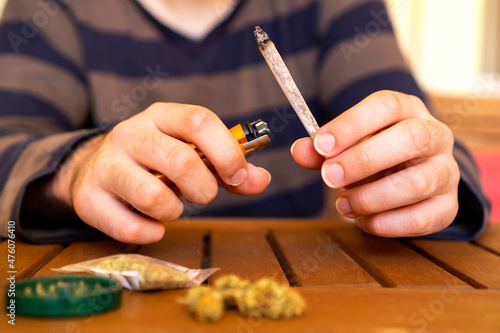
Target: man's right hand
(111, 173)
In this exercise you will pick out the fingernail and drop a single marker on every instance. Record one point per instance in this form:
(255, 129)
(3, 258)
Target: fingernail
(361, 222)
(343, 206)
(324, 144)
(268, 175)
(333, 175)
(239, 177)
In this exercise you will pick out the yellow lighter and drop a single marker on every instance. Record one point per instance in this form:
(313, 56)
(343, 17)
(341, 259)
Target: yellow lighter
(251, 136)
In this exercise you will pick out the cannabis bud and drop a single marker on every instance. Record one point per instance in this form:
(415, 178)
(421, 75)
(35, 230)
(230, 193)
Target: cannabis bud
(264, 298)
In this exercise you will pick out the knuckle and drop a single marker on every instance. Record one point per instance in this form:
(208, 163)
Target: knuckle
(454, 175)
(80, 200)
(351, 125)
(452, 212)
(110, 170)
(198, 119)
(183, 160)
(130, 233)
(389, 101)
(232, 161)
(376, 225)
(157, 109)
(421, 184)
(448, 212)
(448, 136)
(364, 160)
(175, 210)
(158, 106)
(148, 196)
(120, 131)
(420, 135)
(414, 100)
(449, 177)
(208, 194)
(362, 203)
(420, 224)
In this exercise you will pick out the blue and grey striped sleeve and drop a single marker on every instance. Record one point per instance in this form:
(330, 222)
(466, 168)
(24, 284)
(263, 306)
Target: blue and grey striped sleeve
(43, 98)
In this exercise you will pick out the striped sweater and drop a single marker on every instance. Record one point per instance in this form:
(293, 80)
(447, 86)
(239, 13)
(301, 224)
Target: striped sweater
(70, 69)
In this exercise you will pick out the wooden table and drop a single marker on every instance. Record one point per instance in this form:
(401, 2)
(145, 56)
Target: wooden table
(351, 281)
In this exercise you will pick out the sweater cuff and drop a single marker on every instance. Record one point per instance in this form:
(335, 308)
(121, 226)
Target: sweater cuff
(46, 230)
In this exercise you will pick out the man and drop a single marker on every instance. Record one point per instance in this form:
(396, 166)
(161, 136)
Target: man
(81, 131)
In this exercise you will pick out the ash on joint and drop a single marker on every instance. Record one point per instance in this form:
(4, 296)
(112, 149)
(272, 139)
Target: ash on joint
(261, 37)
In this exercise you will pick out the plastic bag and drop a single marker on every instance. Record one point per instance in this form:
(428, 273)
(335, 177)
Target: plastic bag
(138, 272)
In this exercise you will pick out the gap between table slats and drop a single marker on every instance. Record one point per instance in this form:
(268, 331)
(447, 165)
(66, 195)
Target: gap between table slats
(312, 258)
(473, 264)
(392, 263)
(489, 239)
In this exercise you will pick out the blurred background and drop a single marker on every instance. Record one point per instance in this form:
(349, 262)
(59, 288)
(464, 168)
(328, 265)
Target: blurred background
(453, 48)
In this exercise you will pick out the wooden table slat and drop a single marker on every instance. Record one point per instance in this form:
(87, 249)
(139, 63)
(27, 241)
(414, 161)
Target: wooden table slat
(490, 238)
(178, 246)
(316, 260)
(329, 310)
(78, 252)
(424, 280)
(246, 254)
(478, 266)
(393, 263)
(28, 258)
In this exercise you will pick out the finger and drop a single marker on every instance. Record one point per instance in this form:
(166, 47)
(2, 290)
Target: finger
(406, 187)
(118, 221)
(256, 182)
(376, 112)
(305, 155)
(426, 217)
(204, 129)
(143, 191)
(405, 141)
(175, 159)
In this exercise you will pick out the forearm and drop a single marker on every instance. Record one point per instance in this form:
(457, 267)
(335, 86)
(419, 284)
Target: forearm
(50, 197)
(29, 164)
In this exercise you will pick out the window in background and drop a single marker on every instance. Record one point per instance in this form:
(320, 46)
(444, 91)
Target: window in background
(491, 40)
(2, 4)
(446, 41)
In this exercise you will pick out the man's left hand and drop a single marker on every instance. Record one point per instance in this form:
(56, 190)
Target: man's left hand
(394, 160)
